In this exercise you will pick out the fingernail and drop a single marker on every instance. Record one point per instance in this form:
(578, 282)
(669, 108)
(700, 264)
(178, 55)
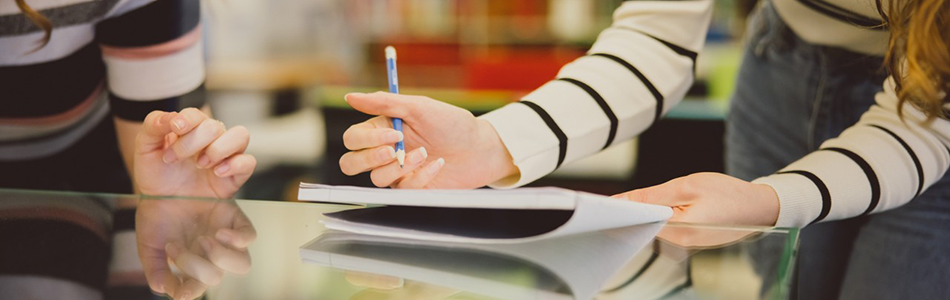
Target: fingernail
(169, 156)
(386, 154)
(419, 156)
(163, 119)
(185, 296)
(204, 161)
(224, 237)
(222, 169)
(171, 250)
(434, 168)
(393, 136)
(179, 124)
(205, 244)
(346, 98)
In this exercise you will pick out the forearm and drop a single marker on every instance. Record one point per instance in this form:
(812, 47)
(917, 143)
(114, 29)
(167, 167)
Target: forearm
(880, 163)
(638, 68)
(126, 131)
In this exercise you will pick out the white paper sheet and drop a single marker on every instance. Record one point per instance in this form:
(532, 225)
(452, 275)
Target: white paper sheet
(527, 198)
(590, 212)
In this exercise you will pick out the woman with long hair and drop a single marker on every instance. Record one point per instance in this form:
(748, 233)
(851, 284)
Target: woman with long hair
(838, 114)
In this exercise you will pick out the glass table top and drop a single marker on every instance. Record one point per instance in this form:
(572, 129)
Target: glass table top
(63, 245)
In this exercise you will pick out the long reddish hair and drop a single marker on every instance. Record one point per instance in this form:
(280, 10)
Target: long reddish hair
(918, 53)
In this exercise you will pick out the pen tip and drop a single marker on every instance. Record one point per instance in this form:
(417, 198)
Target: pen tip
(390, 52)
(401, 157)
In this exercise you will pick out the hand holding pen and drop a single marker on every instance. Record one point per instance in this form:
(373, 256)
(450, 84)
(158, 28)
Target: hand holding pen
(454, 149)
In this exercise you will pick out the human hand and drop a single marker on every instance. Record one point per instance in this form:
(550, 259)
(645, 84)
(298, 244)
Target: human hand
(394, 288)
(190, 154)
(204, 238)
(452, 148)
(712, 198)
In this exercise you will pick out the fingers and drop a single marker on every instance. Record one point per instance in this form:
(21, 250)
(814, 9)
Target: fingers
(233, 141)
(668, 194)
(421, 177)
(362, 136)
(390, 173)
(194, 266)
(386, 104)
(355, 162)
(195, 140)
(154, 130)
(223, 257)
(238, 238)
(239, 167)
(191, 289)
(187, 120)
(157, 272)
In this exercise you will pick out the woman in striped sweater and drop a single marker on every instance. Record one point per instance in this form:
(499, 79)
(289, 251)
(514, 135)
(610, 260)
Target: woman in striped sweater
(78, 80)
(90, 93)
(815, 133)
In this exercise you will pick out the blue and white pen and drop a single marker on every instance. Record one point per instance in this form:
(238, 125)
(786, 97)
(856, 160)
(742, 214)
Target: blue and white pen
(394, 88)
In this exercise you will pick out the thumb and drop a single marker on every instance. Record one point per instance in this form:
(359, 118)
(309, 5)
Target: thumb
(384, 104)
(154, 129)
(663, 194)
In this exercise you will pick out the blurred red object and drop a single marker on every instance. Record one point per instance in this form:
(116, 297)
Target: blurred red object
(516, 69)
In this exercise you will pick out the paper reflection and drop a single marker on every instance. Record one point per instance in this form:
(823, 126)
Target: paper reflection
(574, 267)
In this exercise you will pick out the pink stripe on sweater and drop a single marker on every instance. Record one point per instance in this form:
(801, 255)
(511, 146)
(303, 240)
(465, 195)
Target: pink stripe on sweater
(153, 51)
(70, 115)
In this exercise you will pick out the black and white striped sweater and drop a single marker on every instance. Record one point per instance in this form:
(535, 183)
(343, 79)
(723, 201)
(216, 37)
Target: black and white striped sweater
(642, 65)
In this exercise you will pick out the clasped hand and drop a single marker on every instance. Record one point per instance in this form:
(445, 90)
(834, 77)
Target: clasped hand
(190, 154)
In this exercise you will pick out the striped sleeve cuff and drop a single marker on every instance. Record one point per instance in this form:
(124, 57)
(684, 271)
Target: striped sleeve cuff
(532, 145)
(797, 199)
(153, 53)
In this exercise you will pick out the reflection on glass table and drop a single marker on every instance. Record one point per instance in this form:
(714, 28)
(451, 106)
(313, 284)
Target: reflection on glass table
(56, 245)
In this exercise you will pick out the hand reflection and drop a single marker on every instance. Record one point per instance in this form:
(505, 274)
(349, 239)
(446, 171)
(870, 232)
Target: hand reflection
(696, 237)
(202, 238)
(394, 288)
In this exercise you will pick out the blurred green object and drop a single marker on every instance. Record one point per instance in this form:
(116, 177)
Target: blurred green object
(723, 67)
(476, 101)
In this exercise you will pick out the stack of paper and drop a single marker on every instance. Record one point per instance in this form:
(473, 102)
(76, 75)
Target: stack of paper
(478, 216)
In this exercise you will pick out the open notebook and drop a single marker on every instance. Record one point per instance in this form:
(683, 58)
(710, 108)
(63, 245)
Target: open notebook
(478, 216)
(574, 267)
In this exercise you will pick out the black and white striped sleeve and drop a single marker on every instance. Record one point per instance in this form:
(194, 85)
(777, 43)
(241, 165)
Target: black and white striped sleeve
(153, 53)
(877, 164)
(636, 70)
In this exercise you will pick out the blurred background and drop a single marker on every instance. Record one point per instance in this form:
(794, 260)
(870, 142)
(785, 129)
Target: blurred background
(281, 68)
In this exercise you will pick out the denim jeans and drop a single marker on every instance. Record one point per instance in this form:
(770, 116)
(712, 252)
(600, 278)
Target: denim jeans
(790, 97)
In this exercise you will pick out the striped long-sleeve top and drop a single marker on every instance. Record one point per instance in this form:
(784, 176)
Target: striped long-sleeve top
(121, 58)
(642, 65)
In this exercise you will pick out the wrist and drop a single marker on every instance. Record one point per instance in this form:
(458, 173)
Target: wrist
(500, 163)
(771, 206)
